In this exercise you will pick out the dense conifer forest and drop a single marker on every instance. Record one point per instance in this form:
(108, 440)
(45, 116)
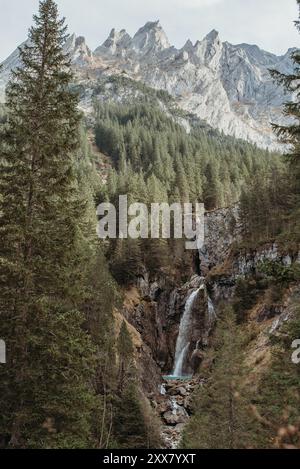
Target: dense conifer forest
(71, 379)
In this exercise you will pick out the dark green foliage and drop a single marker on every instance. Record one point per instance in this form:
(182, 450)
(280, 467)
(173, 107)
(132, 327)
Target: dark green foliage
(246, 293)
(121, 85)
(151, 142)
(221, 409)
(158, 255)
(271, 205)
(278, 396)
(134, 424)
(269, 282)
(280, 274)
(155, 160)
(130, 428)
(266, 208)
(129, 425)
(49, 258)
(54, 390)
(2, 114)
(125, 357)
(126, 261)
(278, 402)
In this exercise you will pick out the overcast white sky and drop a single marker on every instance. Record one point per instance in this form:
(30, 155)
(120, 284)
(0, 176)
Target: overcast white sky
(267, 23)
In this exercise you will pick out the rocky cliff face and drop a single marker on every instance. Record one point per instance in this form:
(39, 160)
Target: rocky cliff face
(221, 230)
(156, 315)
(154, 309)
(228, 86)
(222, 264)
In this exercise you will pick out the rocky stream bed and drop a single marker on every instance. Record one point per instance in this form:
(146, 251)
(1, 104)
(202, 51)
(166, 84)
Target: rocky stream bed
(173, 405)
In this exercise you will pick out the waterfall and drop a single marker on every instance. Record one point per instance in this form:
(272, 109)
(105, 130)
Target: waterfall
(180, 360)
(183, 343)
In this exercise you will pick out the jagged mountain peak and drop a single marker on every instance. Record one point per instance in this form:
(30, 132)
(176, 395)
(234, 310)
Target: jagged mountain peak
(229, 86)
(117, 35)
(213, 36)
(188, 45)
(150, 25)
(150, 37)
(78, 50)
(80, 41)
(207, 52)
(115, 44)
(11, 63)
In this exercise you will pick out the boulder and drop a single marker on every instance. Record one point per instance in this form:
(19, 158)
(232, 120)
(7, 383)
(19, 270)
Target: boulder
(163, 407)
(179, 427)
(173, 418)
(180, 400)
(173, 391)
(188, 403)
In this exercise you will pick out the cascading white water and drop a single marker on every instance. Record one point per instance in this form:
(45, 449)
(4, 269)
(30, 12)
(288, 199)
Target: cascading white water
(180, 360)
(183, 343)
(174, 406)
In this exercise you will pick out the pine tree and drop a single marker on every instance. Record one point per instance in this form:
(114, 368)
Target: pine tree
(182, 182)
(129, 426)
(290, 133)
(211, 187)
(126, 357)
(46, 395)
(290, 82)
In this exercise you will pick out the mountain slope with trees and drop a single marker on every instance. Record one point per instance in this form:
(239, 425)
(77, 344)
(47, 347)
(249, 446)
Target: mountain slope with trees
(72, 379)
(270, 217)
(59, 386)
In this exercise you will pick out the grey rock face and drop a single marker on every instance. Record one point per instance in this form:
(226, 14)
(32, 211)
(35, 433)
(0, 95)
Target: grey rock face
(222, 228)
(223, 266)
(11, 63)
(228, 86)
(81, 55)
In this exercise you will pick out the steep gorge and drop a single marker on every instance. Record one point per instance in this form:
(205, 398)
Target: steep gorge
(165, 365)
(176, 322)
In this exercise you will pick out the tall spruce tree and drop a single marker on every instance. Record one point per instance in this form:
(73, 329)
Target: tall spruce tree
(46, 398)
(290, 133)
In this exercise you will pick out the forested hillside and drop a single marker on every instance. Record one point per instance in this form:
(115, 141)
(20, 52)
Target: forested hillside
(244, 406)
(93, 328)
(202, 166)
(154, 159)
(66, 369)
